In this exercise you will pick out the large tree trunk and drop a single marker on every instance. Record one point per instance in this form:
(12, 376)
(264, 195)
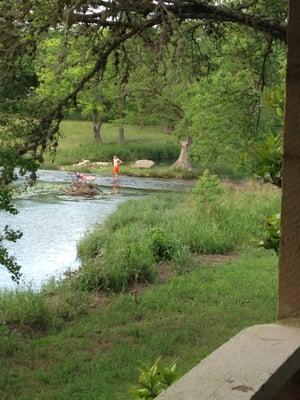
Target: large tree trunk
(289, 261)
(183, 161)
(97, 123)
(121, 134)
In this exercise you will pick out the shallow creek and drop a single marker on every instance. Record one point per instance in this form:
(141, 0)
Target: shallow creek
(52, 221)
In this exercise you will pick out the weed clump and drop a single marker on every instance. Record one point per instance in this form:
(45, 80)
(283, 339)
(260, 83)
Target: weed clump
(25, 309)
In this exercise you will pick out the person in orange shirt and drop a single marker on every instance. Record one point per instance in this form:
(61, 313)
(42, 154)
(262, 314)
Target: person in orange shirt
(116, 169)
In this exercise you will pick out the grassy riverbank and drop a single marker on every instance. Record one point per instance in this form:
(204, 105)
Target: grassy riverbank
(193, 276)
(171, 227)
(161, 170)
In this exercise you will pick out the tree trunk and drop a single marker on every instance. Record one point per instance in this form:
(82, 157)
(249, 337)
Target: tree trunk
(183, 161)
(169, 128)
(97, 123)
(289, 255)
(121, 135)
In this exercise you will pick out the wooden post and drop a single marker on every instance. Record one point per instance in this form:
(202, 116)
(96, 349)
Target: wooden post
(291, 390)
(289, 263)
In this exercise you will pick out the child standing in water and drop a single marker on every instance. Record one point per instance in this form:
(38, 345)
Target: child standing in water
(116, 162)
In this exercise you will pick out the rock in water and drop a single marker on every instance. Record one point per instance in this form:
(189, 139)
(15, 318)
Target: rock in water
(83, 189)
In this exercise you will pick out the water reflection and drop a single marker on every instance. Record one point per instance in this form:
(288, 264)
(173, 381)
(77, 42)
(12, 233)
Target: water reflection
(116, 186)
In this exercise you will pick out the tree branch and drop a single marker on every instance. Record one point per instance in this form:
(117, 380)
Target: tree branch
(189, 10)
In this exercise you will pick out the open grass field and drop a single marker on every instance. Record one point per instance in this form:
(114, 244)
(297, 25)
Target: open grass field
(78, 143)
(79, 132)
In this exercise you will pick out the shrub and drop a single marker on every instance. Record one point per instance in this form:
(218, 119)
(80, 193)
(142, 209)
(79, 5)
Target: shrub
(208, 188)
(268, 160)
(272, 234)
(152, 381)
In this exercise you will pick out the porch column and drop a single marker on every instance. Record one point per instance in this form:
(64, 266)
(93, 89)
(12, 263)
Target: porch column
(289, 263)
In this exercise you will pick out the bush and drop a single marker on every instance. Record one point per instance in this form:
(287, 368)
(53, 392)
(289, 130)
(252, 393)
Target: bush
(272, 233)
(268, 160)
(207, 189)
(152, 381)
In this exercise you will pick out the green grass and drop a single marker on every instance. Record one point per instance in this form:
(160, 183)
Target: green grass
(142, 233)
(79, 132)
(97, 355)
(74, 341)
(78, 143)
(30, 311)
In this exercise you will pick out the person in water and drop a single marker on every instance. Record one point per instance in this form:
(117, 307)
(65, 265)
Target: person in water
(78, 176)
(82, 178)
(116, 169)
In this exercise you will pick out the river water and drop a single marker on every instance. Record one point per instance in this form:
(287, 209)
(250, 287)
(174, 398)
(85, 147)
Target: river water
(52, 221)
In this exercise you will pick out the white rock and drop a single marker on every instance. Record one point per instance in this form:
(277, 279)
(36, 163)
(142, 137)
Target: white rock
(82, 162)
(144, 164)
(102, 163)
(91, 164)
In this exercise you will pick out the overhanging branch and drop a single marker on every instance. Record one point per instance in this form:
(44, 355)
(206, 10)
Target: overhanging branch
(186, 10)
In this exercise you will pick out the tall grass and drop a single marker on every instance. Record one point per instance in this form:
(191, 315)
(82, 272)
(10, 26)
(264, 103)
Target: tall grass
(26, 309)
(142, 233)
(31, 311)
